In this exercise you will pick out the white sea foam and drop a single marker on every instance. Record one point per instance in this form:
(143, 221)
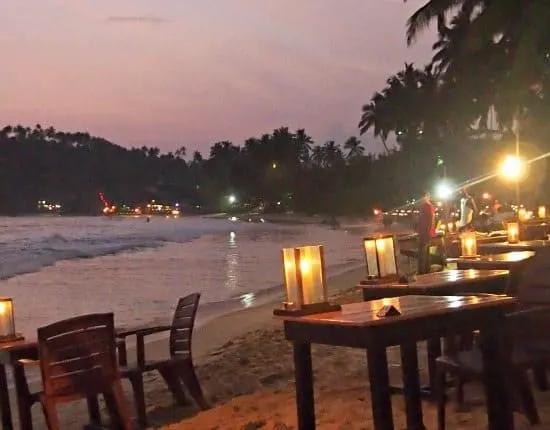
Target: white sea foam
(28, 244)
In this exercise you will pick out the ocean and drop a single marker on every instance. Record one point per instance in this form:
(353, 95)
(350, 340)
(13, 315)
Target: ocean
(59, 267)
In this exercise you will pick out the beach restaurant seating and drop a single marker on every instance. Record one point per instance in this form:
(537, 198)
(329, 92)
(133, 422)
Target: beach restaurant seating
(177, 369)
(529, 346)
(77, 359)
(523, 327)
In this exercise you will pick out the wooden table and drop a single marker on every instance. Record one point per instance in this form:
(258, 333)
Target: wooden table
(514, 262)
(10, 353)
(502, 247)
(448, 282)
(531, 230)
(422, 317)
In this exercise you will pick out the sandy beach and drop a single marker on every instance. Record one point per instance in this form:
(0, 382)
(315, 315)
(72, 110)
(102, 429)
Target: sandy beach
(246, 370)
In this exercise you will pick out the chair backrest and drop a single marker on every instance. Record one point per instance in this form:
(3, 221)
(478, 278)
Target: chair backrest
(181, 333)
(534, 284)
(523, 327)
(78, 356)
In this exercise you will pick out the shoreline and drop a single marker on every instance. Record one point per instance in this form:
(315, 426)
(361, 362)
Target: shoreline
(211, 334)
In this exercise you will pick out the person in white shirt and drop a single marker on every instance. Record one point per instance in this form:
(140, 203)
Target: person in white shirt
(468, 209)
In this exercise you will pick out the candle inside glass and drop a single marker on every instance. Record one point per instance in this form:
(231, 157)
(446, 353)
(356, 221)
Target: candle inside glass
(386, 256)
(513, 232)
(370, 255)
(6, 318)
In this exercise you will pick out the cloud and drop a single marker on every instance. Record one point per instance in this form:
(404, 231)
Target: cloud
(139, 19)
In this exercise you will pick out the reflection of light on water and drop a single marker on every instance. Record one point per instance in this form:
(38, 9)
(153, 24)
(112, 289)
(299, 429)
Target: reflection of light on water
(232, 259)
(248, 299)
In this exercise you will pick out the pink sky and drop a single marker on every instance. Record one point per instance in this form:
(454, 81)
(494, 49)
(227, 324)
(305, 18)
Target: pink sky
(192, 72)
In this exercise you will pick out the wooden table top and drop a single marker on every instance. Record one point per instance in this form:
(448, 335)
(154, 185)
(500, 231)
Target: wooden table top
(535, 223)
(506, 257)
(364, 314)
(450, 277)
(522, 245)
(13, 351)
(481, 238)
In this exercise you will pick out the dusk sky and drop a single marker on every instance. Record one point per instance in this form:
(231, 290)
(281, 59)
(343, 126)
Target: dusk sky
(192, 72)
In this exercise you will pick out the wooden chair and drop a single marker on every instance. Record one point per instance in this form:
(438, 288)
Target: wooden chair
(177, 369)
(78, 361)
(467, 365)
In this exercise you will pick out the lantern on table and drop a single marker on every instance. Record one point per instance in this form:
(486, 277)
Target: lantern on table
(522, 214)
(7, 322)
(541, 212)
(381, 259)
(305, 282)
(468, 245)
(513, 232)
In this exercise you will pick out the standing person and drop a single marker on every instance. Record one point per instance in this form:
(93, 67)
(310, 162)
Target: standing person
(426, 231)
(468, 209)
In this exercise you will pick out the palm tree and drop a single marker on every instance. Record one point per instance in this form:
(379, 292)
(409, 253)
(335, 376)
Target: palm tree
(354, 148)
(402, 107)
(518, 26)
(333, 155)
(181, 152)
(197, 159)
(303, 143)
(376, 115)
(318, 156)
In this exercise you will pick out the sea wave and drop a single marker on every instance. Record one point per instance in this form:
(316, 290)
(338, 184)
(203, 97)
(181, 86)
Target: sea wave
(27, 247)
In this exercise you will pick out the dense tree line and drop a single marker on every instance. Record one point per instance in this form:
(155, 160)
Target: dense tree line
(280, 171)
(488, 80)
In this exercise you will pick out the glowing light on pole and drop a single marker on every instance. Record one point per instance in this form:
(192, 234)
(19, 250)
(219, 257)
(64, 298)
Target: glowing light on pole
(512, 168)
(232, 199)
(443, 190)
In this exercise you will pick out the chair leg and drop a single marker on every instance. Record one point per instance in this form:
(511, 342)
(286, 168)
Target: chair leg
(539, 375)
(50, 412)
(170, 376)
(112, 410)
(526, 397)
(121, 406)
(93, 410)
(136, 380)
(191, 382)
(460, 390)
(440, 396)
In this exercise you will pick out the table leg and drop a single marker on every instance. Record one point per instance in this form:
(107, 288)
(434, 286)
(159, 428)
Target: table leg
(426, 392)
(411, 386)
(434, 350)
(23, 397)
(499, 409)
(304, 386)
(380, 388)
(7, 423)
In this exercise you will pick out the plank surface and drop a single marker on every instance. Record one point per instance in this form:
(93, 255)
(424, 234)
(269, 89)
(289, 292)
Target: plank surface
(411, 307)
